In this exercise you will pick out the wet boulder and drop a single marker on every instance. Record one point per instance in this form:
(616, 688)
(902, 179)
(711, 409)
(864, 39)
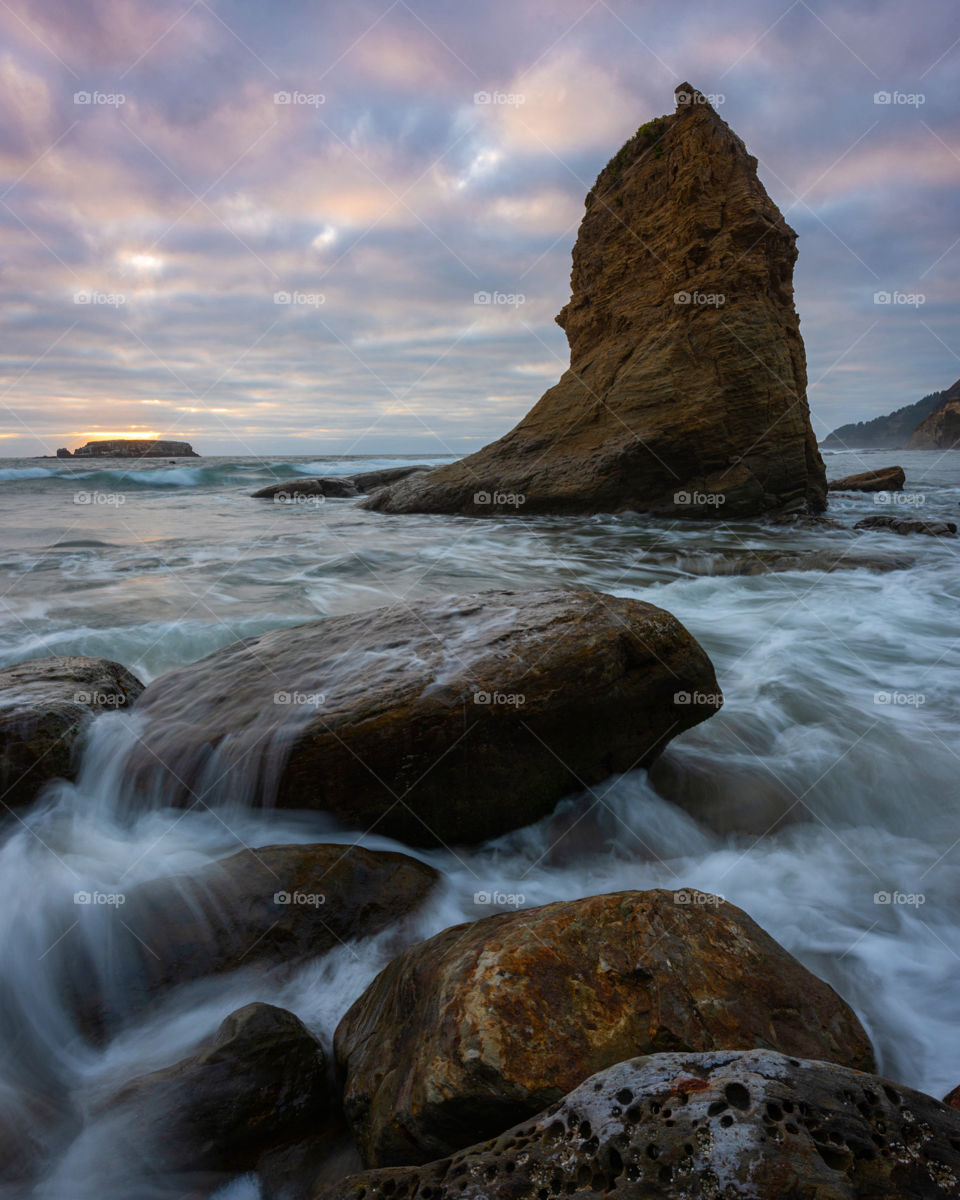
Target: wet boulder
(716, 1124)
(884, 479)
(296, 489)
(905, 525)
(45, 705)
(447, 720)
(487, 1023)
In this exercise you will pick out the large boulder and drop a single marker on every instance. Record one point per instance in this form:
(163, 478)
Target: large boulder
(485, 1024)
(273, 906)
(296, 489)
(259, 1083)
(905, 525)
(750, 1125)
(446, 720)
(45, 705)
(686, 390)
(883, 479)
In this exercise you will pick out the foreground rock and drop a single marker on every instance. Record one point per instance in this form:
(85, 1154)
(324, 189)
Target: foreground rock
(259, 1083)
(446, 720)
(485, 1024)
(715, 1125)
(687, 383)
(904, 525)
(135, 448)
(45, 704)
(885, 479)
(339, 485)
(277, 905)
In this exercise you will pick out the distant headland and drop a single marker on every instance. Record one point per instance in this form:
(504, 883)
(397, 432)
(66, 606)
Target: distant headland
(131, 448)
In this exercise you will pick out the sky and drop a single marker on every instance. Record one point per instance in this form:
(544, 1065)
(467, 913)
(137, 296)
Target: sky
(264, 227)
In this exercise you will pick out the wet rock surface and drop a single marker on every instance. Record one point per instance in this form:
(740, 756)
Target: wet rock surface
(752, 1124)
(336, 485)
(884, 479)
(45, 704)
(483, 1024)
(447, 720)
(905, 525)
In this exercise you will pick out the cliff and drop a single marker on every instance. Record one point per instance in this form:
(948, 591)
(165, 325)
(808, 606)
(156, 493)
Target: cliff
(890, 432)
(941, 430)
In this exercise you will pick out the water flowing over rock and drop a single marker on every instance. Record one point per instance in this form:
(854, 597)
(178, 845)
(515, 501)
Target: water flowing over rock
(485, 1024)
(45, 704)
(747, 1124)
(335, 485)
(884, 479)
(273, 906)
(686, 389)
(447, 720)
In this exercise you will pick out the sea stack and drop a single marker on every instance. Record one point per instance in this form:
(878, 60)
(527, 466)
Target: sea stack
(686, 390)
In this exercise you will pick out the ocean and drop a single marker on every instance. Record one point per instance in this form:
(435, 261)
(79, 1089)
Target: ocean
(823, 799)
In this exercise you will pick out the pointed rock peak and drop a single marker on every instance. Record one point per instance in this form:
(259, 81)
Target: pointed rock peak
(688, 98)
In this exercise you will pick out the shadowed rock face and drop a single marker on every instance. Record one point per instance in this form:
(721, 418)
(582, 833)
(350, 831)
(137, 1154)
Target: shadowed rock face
(452, 719)
(751, 1124)
(904, 525)
(44, 706)
(485, 1024)
(941, 429)
(687, 370)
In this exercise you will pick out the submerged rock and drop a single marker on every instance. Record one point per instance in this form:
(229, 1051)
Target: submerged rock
(485, 1024)
(884, 479)
(276, 905)
(687, 383)
(446, 720)
(45, 704)
(339, 485)
(906, 525)
(716, 1125)
(260, 1082)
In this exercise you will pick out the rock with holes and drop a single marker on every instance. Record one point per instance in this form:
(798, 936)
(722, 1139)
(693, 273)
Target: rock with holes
(484, 1024)
(275, 906)
(445, 720)
(883, 479)
(686, 390)
(721, 1125)
(45, 704)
